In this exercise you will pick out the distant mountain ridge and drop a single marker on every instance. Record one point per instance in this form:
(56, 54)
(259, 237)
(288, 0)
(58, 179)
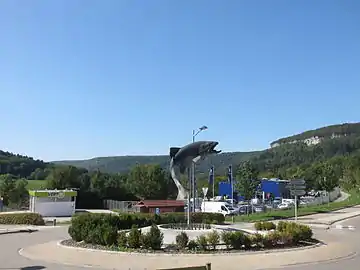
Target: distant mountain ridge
(292, 153)
(316, 136)
(122, 164)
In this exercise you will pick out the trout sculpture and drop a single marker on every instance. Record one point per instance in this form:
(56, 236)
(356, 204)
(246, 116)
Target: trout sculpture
(185, 156)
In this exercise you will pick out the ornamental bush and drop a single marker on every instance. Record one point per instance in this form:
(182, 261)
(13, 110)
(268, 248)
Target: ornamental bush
(182, 240)
(152, 239)
(22, 218)
(213, 238)
(265, 226)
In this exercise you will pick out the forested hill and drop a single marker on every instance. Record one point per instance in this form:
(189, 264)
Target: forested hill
(282, 161)
(279, 161)
(20, 166)
(122, 164)
(315, 136)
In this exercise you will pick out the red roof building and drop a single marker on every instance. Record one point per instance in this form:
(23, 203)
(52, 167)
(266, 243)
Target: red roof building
(165, 206)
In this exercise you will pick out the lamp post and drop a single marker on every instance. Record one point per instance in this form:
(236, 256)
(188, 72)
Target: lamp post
(192, 180)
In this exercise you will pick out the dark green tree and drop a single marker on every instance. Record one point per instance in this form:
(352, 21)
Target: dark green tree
(247, 180)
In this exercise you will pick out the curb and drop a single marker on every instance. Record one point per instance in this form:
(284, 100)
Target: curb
(17, 231)
(345, 218)
(59, 243)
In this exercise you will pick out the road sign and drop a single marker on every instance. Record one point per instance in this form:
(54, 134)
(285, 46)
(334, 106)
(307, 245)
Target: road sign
(205, 190)
(297, 192)
(297, 182)
(294, 187)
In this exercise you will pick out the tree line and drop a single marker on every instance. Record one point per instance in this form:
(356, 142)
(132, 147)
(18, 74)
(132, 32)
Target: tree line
(142, 182)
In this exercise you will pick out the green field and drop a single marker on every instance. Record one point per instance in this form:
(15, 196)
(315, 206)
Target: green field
(354, 199)
(36, 184)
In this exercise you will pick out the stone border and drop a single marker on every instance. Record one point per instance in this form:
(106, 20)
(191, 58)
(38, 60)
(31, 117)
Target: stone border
(319, 244)
(12, 231)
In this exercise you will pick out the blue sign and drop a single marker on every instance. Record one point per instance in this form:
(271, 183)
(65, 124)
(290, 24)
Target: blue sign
(157, 211)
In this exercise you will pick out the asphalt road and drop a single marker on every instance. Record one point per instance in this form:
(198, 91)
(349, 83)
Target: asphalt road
(350, 236)
(11, 243)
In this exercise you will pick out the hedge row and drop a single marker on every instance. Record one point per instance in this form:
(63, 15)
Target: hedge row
(84, 226)
(21, 218)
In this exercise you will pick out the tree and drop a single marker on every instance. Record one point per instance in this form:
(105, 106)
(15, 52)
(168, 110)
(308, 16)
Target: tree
(327, 180)
(13, 190)
(247, 180)
(148, 182)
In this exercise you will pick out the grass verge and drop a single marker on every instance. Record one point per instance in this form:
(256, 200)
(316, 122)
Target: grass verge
(354, 199)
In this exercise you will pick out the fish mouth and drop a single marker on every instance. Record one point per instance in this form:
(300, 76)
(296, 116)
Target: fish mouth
(212, 149)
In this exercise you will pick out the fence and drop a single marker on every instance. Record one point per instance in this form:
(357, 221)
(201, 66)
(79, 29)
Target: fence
(123, 206)
(333, 195)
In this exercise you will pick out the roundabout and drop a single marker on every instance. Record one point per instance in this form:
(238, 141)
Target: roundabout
(42, 249)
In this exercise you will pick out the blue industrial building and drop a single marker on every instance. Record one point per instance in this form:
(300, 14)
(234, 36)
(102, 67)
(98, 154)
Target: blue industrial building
(269, 187)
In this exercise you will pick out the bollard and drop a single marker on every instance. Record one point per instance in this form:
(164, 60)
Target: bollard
(208, 266)
(54, 222)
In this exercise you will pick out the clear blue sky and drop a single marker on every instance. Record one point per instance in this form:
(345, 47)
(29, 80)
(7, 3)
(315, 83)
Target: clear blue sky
(80, 79)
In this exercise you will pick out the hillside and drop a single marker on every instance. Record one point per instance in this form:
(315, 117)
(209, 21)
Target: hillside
(122, 164)
(336, 140)
(312, 137)
(20, 166)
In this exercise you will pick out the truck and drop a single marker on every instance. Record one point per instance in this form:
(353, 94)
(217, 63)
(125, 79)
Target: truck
(217, 207)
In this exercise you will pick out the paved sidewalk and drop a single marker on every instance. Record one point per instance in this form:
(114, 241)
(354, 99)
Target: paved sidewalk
(332, 217)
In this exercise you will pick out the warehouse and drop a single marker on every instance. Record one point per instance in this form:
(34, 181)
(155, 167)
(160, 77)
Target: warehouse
(268, 188)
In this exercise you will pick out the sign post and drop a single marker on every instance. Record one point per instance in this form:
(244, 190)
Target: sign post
(205, 191)
(297, 188)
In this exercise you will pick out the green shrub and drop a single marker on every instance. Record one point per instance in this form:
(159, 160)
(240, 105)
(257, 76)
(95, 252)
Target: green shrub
(103, 234)
(202, 242)
(193, 245)
(134, 237)
(213, 238)
(298, 232)
(265, 225)
(152, 239)
(182, 240)
(122, 239)
(257, 239)
(226, 238)
(22, 218)
(271, 239)
(281, 226)
(286, 238)
(239, 239)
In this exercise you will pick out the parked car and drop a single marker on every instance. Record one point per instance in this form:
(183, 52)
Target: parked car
(283, 206)
(258, 208)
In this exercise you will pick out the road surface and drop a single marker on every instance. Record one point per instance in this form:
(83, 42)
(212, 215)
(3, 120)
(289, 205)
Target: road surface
(11, 243)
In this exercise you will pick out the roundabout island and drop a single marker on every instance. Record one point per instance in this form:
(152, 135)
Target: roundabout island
(112, 232)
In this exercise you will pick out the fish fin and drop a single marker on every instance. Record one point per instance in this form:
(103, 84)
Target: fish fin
(173, 151)
(182, 168)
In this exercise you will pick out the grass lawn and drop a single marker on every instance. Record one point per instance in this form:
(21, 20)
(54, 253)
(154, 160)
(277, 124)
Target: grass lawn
(35, 184)
(354, 199)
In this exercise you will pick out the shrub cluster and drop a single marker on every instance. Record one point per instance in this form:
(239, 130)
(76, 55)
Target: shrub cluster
(103, 229)
(22, 218)
(89, 227)
(288, 234)
(265, 226)
(135, 239)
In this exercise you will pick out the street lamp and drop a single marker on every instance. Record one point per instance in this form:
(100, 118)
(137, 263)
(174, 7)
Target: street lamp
(192, 180)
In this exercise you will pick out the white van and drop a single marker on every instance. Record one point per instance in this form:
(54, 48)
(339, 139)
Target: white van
(217, 207)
